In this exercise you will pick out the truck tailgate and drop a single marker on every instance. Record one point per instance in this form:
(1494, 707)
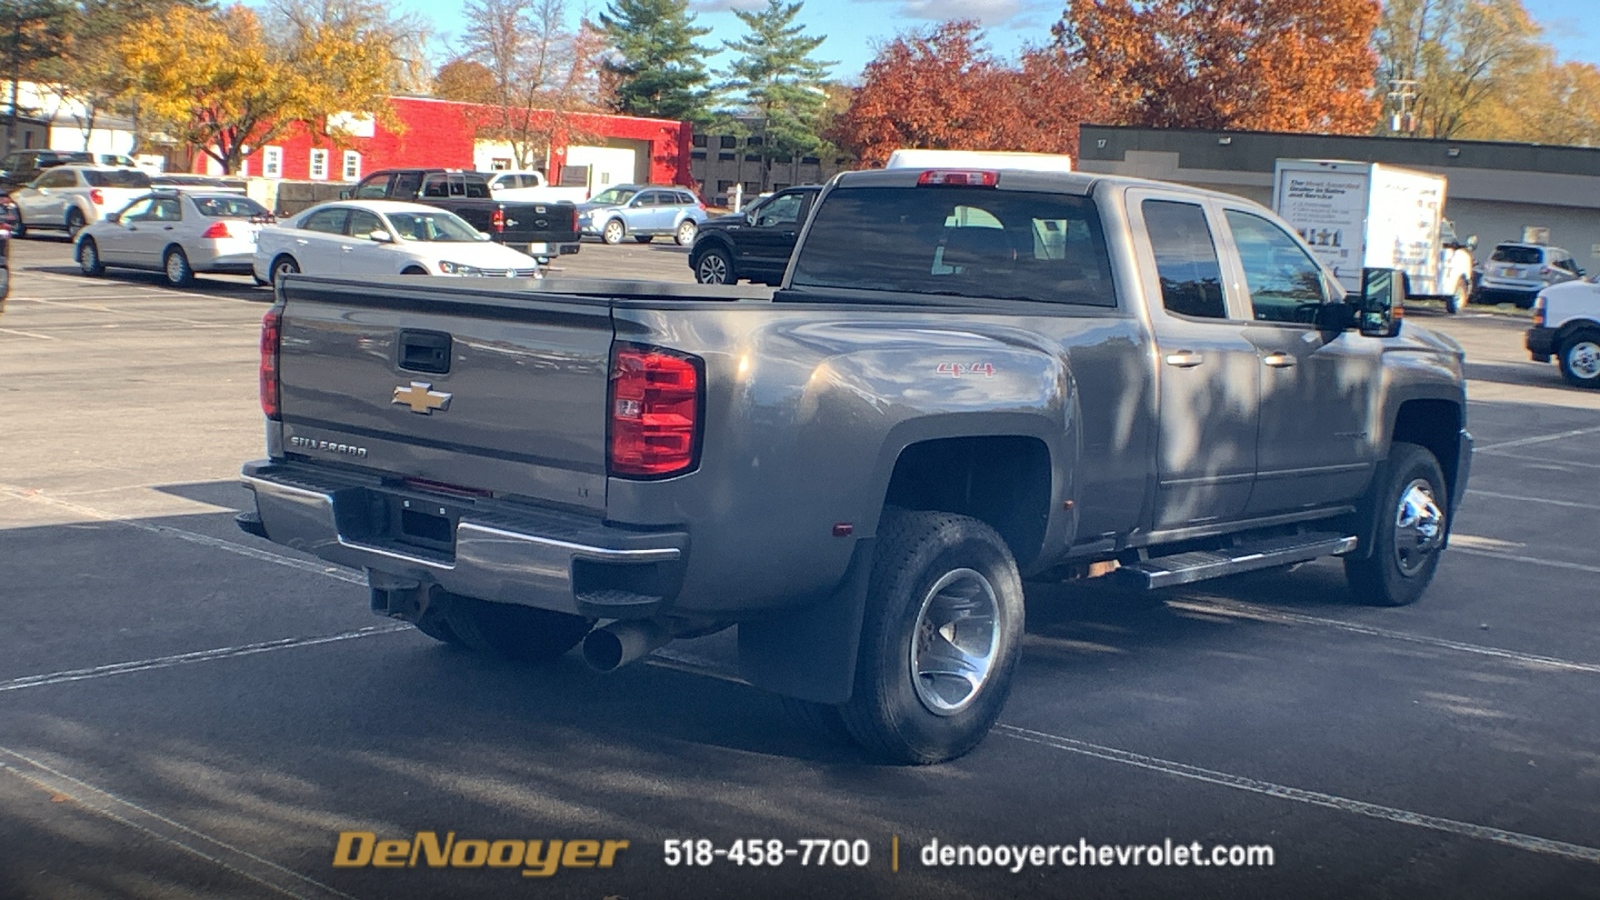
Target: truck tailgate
(479, 386)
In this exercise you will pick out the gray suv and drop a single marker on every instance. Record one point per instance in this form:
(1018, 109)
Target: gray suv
(1516, 273)
(642, 211)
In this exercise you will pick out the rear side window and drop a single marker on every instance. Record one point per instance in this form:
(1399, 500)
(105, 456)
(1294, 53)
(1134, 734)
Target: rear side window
(116, 178)
(1520, 256)
(959, 241)
(1186, 259)
(229, 207)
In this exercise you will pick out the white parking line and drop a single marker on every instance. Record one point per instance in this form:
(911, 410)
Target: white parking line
(1540, 439)
(1219, 606)
(1542, 460)
(42, 337)
(1314, 798)
(243, 863)
(198, 656)
(1531, 560)
(1496, 496)
(335, 572)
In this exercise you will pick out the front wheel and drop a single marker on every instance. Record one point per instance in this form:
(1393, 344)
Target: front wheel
(1458, 298)
(613, 232)
(75, 222)
(176, 266)
(1580, 359)
(1412, 504)
(941, 638)
(687, 229)
(714, 267)
(89, 258)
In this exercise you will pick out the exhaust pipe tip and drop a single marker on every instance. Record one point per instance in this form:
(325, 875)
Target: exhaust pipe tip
(610, 648)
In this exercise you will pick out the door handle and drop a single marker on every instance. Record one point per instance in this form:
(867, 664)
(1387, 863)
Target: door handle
(1185, 359)
(166, 228)
(1278, 360)
(300, 241)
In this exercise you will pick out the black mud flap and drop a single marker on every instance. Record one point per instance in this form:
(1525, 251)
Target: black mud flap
(810, 652)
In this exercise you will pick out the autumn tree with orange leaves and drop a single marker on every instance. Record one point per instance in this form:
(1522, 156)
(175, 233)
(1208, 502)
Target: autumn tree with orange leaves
(1261, 65)
(941, 89)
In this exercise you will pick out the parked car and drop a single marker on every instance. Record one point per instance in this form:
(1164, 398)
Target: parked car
(8, 214)
(69, 197)
(384, 237)
(532, 186)
(176, 233)
(1517, 272)
(23, 166)
(545, 228)
(5, 265)
(1566, 325)
(753, 244)
(642, 211)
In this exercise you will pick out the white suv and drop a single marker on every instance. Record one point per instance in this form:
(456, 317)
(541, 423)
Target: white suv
(69, 197)
(1516, 273)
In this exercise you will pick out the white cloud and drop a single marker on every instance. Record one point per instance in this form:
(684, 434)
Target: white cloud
(991, 13)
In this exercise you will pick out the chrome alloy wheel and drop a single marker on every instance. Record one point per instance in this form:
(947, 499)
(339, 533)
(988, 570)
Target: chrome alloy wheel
(954, 642)
(713, 269)
(1418, 527)
(1583, 360)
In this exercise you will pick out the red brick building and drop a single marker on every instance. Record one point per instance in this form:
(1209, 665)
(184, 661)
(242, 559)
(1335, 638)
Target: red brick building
(445, 133)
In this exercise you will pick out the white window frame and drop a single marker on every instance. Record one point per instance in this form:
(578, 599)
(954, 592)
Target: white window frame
(352, 165)
(272, 162)
(318, 164)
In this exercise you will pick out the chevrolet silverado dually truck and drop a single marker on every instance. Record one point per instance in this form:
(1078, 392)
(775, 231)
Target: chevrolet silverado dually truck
(966, 378)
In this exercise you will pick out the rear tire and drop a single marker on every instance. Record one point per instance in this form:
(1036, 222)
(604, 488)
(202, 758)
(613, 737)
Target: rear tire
(613, 232)
(75, 222)
(521, 633)
(941, 638)
(89, 258)
(283, 265)
(1412, 506)
(1579, 356)
(824, 720)
(175, 265)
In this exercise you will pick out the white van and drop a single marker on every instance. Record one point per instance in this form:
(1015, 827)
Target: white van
(986, 159)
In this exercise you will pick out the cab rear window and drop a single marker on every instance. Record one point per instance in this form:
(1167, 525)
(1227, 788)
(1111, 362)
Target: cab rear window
(1521, 256)
(958, 241)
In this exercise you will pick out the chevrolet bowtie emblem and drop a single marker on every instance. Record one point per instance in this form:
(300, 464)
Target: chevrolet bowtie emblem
(422, 398)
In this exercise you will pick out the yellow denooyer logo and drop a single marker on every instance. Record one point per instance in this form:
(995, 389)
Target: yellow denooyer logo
(537, 859)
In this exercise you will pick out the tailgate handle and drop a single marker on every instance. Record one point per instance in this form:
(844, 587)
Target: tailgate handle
(425, 351)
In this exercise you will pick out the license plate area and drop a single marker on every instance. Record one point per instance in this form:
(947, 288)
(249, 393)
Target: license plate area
(424, 523)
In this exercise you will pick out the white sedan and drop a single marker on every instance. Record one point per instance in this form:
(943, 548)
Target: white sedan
(383, 237)
(177, 234)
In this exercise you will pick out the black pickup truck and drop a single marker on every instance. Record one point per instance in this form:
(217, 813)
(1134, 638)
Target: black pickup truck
(542, 229)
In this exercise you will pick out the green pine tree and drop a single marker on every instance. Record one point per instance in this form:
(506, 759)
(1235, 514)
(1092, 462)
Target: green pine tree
(657, 69)
(774, 78)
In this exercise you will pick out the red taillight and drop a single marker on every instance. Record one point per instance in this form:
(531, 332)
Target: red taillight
(217, 229)
(97, 197)
(574, 219)
(966, 177)
(271, 333)
(655, 411)
(497, 220)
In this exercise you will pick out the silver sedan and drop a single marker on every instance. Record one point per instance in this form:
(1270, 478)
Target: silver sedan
(176, 233)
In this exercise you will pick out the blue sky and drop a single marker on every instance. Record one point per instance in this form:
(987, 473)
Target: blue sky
(856, 28)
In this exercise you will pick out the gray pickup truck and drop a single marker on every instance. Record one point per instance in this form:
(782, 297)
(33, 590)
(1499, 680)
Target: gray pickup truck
(966, 379)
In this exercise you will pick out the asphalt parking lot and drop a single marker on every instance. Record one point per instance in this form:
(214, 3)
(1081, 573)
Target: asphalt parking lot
(187, 711)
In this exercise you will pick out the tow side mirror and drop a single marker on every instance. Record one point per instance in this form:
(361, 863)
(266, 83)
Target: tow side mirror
(114, 218)
(1472, 242)
(1383, 297)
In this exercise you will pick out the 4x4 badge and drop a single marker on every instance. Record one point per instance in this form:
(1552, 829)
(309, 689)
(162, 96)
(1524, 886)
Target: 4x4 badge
(422, 398)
